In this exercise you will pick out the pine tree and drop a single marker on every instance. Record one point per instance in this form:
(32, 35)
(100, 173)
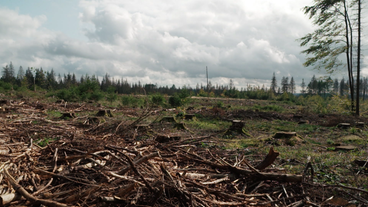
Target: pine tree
(8, 73)
(292, 85)
(303, 87)
(285, 85)
(30, 78)
(273, 83)
(342, 87)
(336, 86)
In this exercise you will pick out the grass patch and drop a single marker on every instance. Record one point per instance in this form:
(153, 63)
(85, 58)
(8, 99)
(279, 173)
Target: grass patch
(275, 108)
(208, 125)
(45, 141)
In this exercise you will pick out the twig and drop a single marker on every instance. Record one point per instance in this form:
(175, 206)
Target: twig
(138, 173)
(28, 196)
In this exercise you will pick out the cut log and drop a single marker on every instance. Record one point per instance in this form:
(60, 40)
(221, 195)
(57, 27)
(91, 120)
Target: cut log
(104, 113)
(280, 135)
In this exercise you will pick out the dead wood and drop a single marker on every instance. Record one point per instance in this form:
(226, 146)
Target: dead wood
(118, 162)
(28, 196)
(270, 158)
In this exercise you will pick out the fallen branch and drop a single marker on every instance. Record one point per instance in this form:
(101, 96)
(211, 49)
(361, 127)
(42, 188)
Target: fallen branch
(18, 188)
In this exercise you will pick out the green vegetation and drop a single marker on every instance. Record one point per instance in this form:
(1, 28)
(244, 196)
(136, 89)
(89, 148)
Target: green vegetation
(44, 141)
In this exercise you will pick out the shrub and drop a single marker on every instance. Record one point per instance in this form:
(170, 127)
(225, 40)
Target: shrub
(158, 99)
(175, 101)
(132, 101)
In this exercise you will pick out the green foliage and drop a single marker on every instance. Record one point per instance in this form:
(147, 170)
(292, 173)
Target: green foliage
(132, 101)
(220, 104)
(286, 97)
(184, 93)
(111, 95)
(5, 86)
(45, 141)
(175, 101)
(88, 90)
(158, 99)
(275, 108)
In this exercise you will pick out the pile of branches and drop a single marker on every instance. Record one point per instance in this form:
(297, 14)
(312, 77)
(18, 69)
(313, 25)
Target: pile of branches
(89, 169)
(148, 174)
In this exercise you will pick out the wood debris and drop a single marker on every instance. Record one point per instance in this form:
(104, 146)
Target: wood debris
(91, 163)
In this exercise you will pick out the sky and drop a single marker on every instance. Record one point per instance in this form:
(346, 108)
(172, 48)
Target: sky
(162, 42)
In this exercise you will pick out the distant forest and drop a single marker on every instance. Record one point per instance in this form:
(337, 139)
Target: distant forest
(37, 78)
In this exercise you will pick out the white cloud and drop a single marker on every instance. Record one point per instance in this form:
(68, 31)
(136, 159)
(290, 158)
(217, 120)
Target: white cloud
(166, 42)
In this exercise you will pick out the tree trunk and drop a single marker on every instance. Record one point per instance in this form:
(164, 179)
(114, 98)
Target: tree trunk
(348, 57)
(358, 59)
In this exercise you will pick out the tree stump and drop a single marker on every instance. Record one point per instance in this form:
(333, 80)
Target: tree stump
(104, 113)
(189, 116)
(167, 138)
(168, 119)
(280, 135)
(180, 126)
(360, 125)
(67, 116)
(343, 125)
(236, 128)
(303, 122)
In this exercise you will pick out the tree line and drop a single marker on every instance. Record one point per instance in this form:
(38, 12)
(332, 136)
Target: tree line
(37, 78)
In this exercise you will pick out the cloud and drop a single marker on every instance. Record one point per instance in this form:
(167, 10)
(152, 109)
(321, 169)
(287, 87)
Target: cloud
(166, 42)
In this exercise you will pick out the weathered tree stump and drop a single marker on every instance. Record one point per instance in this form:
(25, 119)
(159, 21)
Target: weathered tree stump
(180, 126)
(360, 125)
(343, 125)
(67, 116)
(236, 128)
(168, 119)
(167, 138)
(104, 113)
(189, 116)
(280, 135)
(303, 122)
